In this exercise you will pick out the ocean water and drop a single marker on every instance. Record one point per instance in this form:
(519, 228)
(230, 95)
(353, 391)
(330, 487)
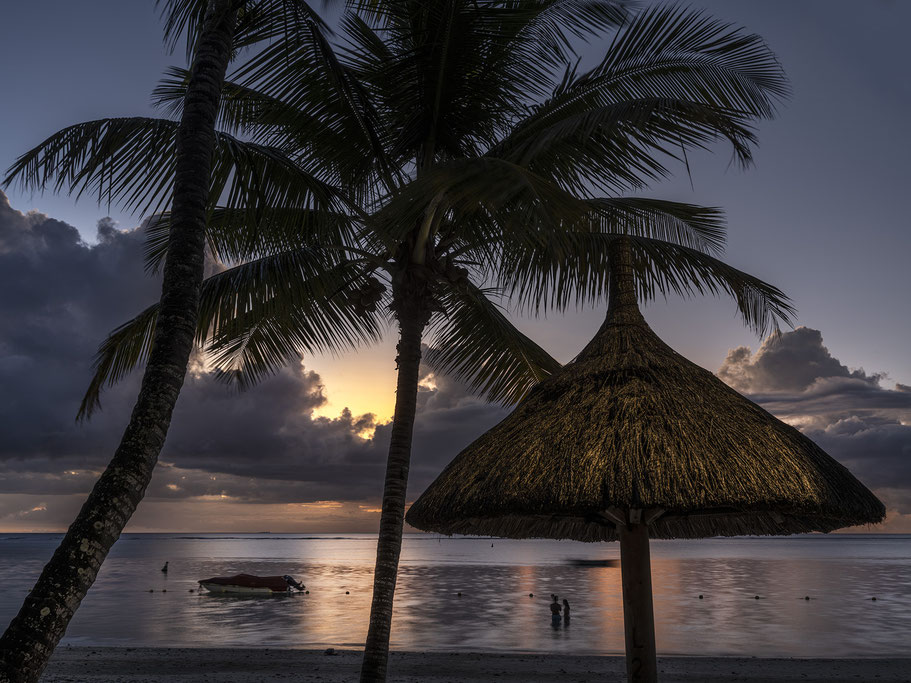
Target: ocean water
(840, 574)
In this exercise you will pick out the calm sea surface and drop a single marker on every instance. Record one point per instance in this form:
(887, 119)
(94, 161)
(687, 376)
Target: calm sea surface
(495, 613)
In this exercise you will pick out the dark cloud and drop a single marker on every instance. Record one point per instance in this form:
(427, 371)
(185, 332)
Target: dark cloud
(863, 424)
(58, 298)
(792, 361)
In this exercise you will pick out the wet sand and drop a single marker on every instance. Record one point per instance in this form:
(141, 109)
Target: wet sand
(208, 665)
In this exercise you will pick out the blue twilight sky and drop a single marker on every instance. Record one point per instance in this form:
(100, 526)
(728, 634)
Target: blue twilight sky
(822, 214)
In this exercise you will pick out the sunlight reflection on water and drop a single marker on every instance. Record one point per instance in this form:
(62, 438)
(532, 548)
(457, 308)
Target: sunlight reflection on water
(839, 573)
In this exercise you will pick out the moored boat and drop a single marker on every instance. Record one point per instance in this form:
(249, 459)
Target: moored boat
(250, 584)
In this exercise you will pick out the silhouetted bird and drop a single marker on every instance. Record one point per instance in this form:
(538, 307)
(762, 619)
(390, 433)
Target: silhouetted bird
(165, 568)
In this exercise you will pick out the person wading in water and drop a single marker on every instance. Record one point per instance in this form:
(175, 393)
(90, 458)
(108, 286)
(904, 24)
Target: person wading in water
(555, 609)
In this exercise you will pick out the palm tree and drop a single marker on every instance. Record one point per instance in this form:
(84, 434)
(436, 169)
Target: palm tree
(177, 163)
(476, 161)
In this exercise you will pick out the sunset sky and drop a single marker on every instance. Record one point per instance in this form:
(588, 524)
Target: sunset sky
(821, 215)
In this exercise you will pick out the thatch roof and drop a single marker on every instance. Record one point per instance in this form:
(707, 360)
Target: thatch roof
(632, 425)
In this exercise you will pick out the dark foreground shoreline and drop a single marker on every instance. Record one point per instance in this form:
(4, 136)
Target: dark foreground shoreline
(238, 665)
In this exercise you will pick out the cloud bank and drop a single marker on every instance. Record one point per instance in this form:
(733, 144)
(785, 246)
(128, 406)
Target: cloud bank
(59, 297)
(263, 459)
(850, 413)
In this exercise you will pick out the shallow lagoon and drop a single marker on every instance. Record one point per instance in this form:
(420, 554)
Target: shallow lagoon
(840, 573)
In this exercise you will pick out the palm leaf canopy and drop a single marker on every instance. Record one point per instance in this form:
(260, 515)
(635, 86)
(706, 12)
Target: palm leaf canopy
(460, 122)
(631, 425)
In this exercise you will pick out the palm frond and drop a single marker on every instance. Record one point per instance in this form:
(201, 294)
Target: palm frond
(574, 270)
(130, 162)
(683, 53)
(697, 227)
(471, 187)
(269, 20)
(557, 23)
(233, 238)
(252, 177)
(182, 18)
(449, 77)
(484, 237)
(123, 161)
(253, 318)
(268, 312)
(618, 146)
(323, 106)
(671, 79)
(475, 342)
(257, 20)
(126, 348)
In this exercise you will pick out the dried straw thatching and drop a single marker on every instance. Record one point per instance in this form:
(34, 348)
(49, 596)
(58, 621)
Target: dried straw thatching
(632, 425)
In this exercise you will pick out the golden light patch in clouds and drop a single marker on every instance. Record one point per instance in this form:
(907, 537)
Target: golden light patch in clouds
(364, 383)
(368, 508)
(82, 473)
(319, 505)
(212, 498)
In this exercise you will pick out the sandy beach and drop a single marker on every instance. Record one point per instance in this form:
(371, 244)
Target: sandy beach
(199, 665)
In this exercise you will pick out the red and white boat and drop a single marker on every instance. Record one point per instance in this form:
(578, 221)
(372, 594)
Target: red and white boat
(250, 584)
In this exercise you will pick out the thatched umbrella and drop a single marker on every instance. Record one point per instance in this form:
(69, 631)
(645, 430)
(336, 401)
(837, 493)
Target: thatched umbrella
(629, 441)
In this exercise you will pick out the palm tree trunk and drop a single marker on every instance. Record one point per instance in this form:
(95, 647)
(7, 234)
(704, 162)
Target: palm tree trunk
(392, 519)
(31, 637)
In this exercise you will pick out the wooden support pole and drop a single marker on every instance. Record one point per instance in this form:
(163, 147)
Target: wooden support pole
(638, 617)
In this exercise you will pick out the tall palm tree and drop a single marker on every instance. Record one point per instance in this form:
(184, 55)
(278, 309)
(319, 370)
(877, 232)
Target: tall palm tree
(476, 160)
(177, 163)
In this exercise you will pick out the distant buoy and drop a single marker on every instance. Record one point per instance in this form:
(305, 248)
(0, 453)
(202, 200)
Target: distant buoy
(164, 590)
(700, 597)
(192, 591)
(531, 595)
(806, 597)
(755, 597)
(151, 590)
(307, 592)
(459, 594)
(347, 592)
(873, 599)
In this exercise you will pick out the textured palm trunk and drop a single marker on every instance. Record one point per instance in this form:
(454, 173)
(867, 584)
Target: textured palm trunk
(392, 519)
(31, 637)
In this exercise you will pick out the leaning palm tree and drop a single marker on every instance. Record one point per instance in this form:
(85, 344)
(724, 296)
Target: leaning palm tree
(476, 161)
(185, 162)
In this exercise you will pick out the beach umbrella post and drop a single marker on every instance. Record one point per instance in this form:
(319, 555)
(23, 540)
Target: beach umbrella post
(638, 614)
(632, 441)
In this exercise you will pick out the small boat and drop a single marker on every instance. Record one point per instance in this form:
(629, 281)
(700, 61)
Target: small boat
(250, 584)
